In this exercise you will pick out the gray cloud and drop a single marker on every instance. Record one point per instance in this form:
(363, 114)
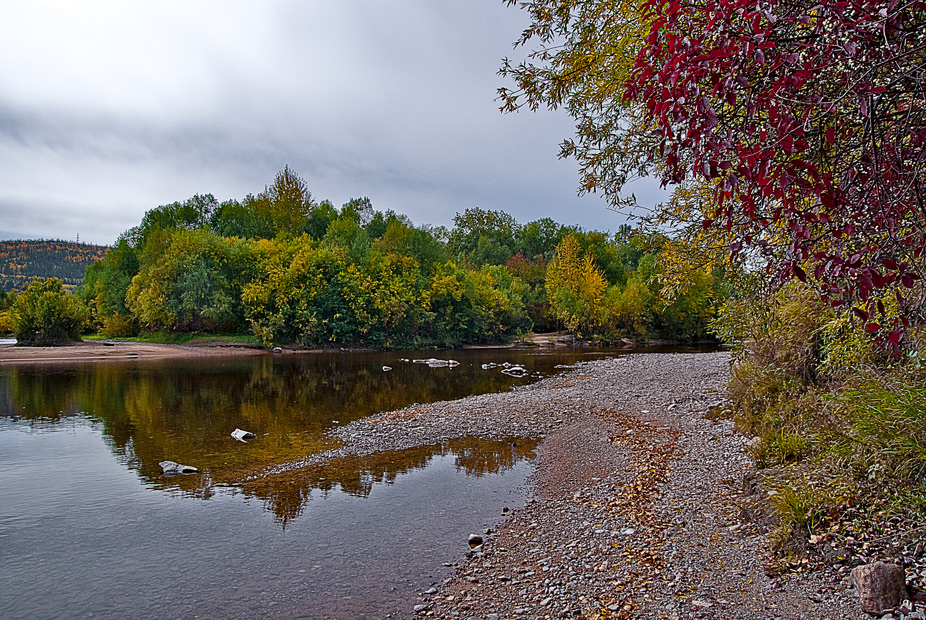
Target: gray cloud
(110, 109)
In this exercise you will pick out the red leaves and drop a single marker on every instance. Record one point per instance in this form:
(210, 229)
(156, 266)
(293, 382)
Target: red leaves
(812, 116)
(799, 273)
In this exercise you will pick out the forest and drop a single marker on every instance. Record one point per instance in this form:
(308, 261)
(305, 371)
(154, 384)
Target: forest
(22, 260)
(295, 271)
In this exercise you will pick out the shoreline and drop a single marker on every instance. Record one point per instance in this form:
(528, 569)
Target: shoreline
(103, 350)
(636, 508)
(120, 350)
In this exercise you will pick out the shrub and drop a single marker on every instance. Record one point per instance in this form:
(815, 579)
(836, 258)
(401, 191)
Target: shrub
(6, 323)
(119, 325)
(45, 314)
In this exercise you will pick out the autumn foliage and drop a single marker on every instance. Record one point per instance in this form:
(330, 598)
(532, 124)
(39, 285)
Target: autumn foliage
(290, 270)
(46, 314)
(808, 122)
(22, 260)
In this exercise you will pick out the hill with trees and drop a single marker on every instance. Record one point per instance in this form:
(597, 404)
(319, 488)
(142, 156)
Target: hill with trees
(22, 260)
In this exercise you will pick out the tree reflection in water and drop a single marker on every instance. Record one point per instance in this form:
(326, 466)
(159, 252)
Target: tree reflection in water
(286, 494)
(184, 410)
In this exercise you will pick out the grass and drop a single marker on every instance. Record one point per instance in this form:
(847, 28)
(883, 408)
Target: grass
(863, 435)
(797, 506)
(188, 338)
(831, 410)
(885, 428)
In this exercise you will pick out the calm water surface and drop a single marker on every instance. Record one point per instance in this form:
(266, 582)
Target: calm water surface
(90, 528)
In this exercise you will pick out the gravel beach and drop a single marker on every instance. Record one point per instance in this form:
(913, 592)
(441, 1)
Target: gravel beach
(637, 506)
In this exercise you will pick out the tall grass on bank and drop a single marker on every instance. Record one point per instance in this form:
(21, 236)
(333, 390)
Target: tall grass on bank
(885, 428)
(837, 421)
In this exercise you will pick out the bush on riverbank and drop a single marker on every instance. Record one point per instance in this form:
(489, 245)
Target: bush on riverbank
(6, 321)
(45, 314)
(839, 420)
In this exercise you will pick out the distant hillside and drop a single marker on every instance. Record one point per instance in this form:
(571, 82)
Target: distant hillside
(21, 260)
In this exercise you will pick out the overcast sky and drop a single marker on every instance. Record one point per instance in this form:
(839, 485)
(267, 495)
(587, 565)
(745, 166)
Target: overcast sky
(108, 109)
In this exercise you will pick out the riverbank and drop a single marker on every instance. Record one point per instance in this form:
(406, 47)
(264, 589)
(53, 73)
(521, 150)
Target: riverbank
(102, 350)
(637, 506)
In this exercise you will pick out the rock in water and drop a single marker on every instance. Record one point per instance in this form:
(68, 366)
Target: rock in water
(436, 363)
(171, 468)
(387, 368)
(242, 436)
(474, 540)
(881, 586)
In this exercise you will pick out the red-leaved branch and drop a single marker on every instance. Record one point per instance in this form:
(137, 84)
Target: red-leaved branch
(808, 120)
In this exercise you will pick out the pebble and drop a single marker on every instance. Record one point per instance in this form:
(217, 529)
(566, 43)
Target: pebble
(601, 469)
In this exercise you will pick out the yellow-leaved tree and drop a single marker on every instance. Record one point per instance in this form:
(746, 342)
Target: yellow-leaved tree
(575, 288)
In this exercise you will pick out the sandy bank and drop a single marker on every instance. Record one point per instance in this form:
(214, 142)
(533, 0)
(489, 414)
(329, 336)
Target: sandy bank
(99, 350)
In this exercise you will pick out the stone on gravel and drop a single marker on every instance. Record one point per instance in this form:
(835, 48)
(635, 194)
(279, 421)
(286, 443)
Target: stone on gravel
(881, 586)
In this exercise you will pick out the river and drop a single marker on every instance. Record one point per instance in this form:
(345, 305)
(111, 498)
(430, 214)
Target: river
(90, 528)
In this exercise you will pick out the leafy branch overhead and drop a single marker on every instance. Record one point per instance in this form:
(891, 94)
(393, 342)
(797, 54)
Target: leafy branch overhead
(804, 120)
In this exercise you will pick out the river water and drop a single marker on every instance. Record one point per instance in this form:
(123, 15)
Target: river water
(90, 528)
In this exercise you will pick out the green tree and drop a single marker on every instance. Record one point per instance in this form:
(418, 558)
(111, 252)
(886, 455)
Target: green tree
(104, 288)
(191, 281)
(249, 219)
(303, 294)
(290, 202)
(45, 314)
(483, 305)
(347, 233)
(360, 210)
(319, 219)
(540, 238)
(196, 212)
(421, 244)
(482, 237)
(6, 302)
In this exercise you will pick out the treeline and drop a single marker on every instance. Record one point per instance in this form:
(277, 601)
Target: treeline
(292, 270)
(22, 260)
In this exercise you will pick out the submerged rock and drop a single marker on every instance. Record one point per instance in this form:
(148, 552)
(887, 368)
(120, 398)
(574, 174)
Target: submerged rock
(172, 468)
(436, 363)
(242, 436)
(515, 371)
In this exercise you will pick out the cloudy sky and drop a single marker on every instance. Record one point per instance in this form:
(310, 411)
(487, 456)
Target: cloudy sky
(108, 109)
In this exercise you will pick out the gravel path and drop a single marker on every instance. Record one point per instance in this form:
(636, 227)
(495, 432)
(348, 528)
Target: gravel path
(637, 512)
(638, 507)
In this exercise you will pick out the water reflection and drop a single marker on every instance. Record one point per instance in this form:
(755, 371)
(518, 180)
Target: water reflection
(85, 534)
(184, 410)
(286, 494)
(82, 538)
